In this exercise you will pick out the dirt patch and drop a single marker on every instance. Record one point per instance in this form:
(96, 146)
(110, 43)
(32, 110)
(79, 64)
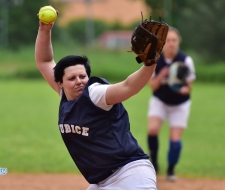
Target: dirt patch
(77, 182)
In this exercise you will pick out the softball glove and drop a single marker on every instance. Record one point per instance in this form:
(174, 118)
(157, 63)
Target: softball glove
(147, 41)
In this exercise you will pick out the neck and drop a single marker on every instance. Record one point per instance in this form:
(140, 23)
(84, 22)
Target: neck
(170, 55)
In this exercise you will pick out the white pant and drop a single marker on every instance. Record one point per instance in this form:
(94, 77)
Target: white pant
(177, 115)
(135, 175)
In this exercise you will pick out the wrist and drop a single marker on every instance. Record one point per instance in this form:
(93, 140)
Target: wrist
(185, 90)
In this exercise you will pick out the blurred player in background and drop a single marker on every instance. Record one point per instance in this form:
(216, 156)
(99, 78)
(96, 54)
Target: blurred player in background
(168, 103)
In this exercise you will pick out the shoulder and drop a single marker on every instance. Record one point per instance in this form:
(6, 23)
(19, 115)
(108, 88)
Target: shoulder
(181, 53)
(181, 56)
(97, 87)
(95, 79)
(190, 64)
(189, 61)
(97, 93)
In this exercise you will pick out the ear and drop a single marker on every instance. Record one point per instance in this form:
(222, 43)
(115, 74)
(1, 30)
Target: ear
(60, 84)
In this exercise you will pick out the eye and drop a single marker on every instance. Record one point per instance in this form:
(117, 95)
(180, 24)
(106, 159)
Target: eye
(72, 78)
(82, 76)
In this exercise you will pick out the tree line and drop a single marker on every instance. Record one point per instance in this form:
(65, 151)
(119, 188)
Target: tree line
(201, 24)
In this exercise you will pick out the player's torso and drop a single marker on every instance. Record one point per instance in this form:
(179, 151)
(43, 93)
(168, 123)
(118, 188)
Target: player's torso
(97, 138)
(164, 92)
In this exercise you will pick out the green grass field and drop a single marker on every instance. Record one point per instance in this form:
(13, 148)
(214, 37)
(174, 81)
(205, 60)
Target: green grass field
(31, 143)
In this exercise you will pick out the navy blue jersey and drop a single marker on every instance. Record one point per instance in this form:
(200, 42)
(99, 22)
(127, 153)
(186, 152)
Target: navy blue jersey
(98, 141)
(164, 92)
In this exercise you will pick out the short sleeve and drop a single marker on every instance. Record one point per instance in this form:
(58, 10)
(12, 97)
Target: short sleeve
(190, 64)
(97, 93)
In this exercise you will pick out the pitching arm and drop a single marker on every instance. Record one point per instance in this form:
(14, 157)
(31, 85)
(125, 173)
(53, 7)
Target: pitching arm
(44, 54)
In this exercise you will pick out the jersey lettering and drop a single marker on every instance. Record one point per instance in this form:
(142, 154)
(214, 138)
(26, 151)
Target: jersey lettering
(67, 128)
(61, 128)
(73, 130)
(85, 131)
(78, 129)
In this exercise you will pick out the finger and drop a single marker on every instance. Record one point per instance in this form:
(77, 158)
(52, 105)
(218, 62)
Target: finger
(41, 23)
(51, 24)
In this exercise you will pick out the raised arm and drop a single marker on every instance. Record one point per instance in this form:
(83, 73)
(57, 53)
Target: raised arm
(44, 54)
(120, 92)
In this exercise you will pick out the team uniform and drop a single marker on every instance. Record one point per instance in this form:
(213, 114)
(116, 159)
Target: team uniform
(100, 143)
(167, 103)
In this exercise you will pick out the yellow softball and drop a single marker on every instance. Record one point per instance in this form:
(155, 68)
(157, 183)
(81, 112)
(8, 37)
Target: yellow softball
(47, 14)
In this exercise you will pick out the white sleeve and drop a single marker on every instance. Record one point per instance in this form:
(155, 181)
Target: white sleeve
(190, 64)
(97, 93)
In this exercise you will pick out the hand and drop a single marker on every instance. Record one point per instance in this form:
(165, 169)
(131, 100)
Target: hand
(156, 81)
(164, 72)
(46, 27)
(184, 90)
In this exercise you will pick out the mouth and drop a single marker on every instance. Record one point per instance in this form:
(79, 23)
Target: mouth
(80, 88)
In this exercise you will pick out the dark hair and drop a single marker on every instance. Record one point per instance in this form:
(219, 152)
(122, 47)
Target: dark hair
(68, 61)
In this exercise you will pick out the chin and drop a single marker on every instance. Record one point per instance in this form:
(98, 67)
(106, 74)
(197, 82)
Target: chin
(79, 93)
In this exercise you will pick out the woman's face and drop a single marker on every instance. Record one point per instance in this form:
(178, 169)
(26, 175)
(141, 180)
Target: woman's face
(172, 43)
(75, 79)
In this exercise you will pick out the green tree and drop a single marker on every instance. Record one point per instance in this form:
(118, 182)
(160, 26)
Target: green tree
(22, 21)
(203, 26)
(77, 29)
(201, 23)
(168, 10)
(156, 7)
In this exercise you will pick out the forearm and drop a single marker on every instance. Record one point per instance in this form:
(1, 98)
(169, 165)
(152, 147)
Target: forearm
(137, 80)
(121, 91)
(156, 81)
(43, 47)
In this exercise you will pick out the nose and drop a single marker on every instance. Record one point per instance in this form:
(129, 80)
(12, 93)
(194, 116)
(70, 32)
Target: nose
(78, 81)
